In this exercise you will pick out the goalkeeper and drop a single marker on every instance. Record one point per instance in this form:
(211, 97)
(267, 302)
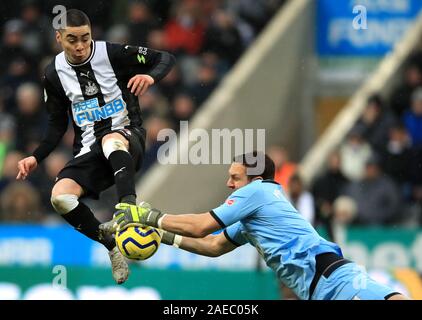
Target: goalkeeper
(258, 212)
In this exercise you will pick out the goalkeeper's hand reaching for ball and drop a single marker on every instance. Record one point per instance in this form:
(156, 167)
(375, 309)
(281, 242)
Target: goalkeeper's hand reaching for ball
(128, 215)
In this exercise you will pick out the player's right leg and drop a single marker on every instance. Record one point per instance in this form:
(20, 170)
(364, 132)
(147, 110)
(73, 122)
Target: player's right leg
(124, 150)
(65, 201)
(373, 290)
(115, 147)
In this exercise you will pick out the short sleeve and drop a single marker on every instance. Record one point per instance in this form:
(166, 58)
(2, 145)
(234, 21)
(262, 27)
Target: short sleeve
(238, 206)
(233, 233)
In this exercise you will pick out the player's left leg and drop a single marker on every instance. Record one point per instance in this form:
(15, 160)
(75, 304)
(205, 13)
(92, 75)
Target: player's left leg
(352, 282)
(116, 149)
(369, 289)
(65, 197)
(373, 290)
(65, 201)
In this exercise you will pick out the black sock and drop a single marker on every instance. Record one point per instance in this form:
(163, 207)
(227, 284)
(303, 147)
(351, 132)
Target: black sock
(83, 220)
(124, 175)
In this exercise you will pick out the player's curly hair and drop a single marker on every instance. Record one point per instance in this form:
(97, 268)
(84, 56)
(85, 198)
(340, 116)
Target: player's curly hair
(250, 160)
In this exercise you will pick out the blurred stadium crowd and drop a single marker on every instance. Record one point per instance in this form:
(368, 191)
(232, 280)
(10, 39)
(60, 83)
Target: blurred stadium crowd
(207, 37)
(374, 178)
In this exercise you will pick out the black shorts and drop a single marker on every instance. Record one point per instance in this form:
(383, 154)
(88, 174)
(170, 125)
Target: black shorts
(93, 172)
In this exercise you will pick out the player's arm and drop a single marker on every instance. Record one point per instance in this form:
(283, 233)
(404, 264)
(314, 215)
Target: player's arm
(195, 225)
(239, 206)
(149, 67)
(142, 66)
(157, 63)
(210, 246)
(56, 106)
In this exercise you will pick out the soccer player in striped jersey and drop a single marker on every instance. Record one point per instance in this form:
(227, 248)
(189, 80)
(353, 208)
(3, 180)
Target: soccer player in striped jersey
(96, 84)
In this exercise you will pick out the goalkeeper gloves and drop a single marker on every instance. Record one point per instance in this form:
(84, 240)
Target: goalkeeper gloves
(129, 215)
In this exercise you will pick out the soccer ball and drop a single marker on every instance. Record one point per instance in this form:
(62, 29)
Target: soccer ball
(138, 243)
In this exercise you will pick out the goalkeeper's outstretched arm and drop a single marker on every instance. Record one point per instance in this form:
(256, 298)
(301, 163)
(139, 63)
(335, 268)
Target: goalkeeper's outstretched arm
(190, 225)
(210, 245)
(195, 225)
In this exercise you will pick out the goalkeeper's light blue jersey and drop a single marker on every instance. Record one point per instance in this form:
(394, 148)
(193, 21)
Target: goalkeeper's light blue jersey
(259, 213)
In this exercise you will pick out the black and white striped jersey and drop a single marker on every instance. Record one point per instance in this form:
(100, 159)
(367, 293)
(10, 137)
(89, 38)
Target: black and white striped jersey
(94, 94)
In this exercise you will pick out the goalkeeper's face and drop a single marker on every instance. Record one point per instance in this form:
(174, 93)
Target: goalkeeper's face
(75, 42)
(237, 176)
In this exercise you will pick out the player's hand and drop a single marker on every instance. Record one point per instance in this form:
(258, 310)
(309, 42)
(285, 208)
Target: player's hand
(126, 215)
(26, 166)
(143, 214)
(131, 215)
(140, 83)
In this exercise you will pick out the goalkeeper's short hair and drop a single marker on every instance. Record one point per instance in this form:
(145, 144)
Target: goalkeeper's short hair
(269, 167)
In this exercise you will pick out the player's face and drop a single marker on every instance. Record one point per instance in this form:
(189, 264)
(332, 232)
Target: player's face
(237, 176)
(76, 43)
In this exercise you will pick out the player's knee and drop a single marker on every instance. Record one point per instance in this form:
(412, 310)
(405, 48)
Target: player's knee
(64, 203)
(113, 144)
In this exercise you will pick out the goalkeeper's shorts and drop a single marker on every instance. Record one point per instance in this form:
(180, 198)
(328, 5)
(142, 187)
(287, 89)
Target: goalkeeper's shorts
(351, 282)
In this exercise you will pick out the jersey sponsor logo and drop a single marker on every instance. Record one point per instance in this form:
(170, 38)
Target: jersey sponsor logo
(88, 111)
(141, 59)
(142, 52)
(229, 202)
